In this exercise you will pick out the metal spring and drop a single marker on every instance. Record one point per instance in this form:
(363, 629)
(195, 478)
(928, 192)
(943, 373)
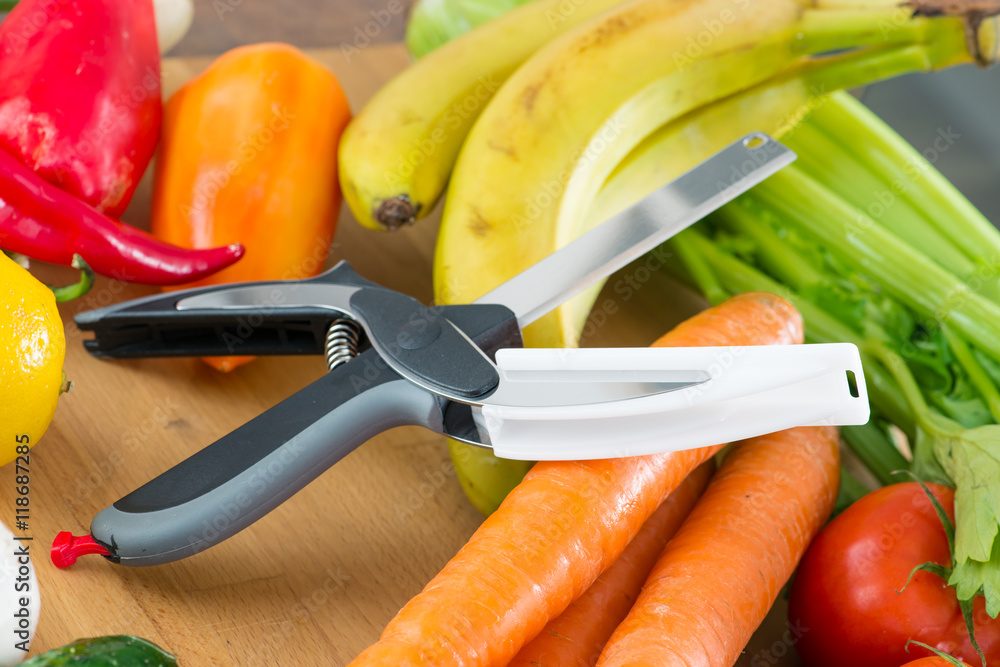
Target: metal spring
(341, 342)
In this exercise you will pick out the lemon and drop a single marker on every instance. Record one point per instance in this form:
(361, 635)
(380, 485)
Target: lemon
(32, 349)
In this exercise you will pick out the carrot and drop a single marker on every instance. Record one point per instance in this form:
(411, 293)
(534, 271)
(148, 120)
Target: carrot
(719, 576)
(559, 529)
(575, 637)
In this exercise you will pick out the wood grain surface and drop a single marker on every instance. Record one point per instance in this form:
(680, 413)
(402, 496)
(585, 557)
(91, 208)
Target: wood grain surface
(315, 581)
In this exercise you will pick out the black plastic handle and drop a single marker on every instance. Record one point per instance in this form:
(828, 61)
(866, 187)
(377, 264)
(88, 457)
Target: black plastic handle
(154, 327)
(230, 484)
(227, 486)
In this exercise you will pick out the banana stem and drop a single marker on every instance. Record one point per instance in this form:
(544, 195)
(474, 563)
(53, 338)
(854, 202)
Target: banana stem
(958, 36)
(829, 30)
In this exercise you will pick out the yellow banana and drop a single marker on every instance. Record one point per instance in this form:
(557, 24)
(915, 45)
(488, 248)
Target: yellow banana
(476, 252)
(397, 154)
(549, 139)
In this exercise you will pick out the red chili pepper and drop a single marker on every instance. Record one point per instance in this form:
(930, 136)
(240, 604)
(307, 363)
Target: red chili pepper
(41, 221)
(80, 94)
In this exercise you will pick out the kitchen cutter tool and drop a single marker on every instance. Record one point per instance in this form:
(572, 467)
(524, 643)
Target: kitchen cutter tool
(457, 370)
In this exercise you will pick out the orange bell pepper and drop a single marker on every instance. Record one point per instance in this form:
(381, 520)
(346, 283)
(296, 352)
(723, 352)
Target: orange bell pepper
(249, 155)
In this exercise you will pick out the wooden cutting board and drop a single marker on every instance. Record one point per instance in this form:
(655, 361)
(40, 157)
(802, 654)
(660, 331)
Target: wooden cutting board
(314, 582)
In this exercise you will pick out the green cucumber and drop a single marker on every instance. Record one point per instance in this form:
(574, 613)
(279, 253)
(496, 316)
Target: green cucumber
(115, 651)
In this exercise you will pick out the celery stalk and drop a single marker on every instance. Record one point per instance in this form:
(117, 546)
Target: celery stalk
(828, 161)
(876, 451)
(881, 456)
(787, 267)
(909, 174)
(909, 276)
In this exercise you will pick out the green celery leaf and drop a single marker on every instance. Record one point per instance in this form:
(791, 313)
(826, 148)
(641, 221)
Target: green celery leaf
(925, 464)
(974, 577)
(972, 460)
(970, 412)
(841, 304)
(962, 403)
(740, 246)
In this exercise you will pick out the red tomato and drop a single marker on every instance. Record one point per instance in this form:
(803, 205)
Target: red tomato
(844, 593)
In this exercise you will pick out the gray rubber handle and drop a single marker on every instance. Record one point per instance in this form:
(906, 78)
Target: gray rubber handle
(238, 479)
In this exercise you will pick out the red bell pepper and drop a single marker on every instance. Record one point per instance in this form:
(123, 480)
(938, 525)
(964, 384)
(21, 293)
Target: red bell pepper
(80, 94)
(79, 121)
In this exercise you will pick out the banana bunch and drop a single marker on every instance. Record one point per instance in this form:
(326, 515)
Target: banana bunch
(558, 114)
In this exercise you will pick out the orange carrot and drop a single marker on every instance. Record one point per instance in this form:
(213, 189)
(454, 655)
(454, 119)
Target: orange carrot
(559, 529)
(575, 637)
(719, 576)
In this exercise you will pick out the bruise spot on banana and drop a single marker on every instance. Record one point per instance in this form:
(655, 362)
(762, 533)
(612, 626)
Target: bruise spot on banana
(507, 150)
(479, 225)
(529, 95)
(973, 12)
(607, 31)
(395, 212)
(621, 23)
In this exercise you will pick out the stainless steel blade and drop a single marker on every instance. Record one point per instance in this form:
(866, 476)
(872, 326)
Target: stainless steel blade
(551, 388)
(641, 227)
